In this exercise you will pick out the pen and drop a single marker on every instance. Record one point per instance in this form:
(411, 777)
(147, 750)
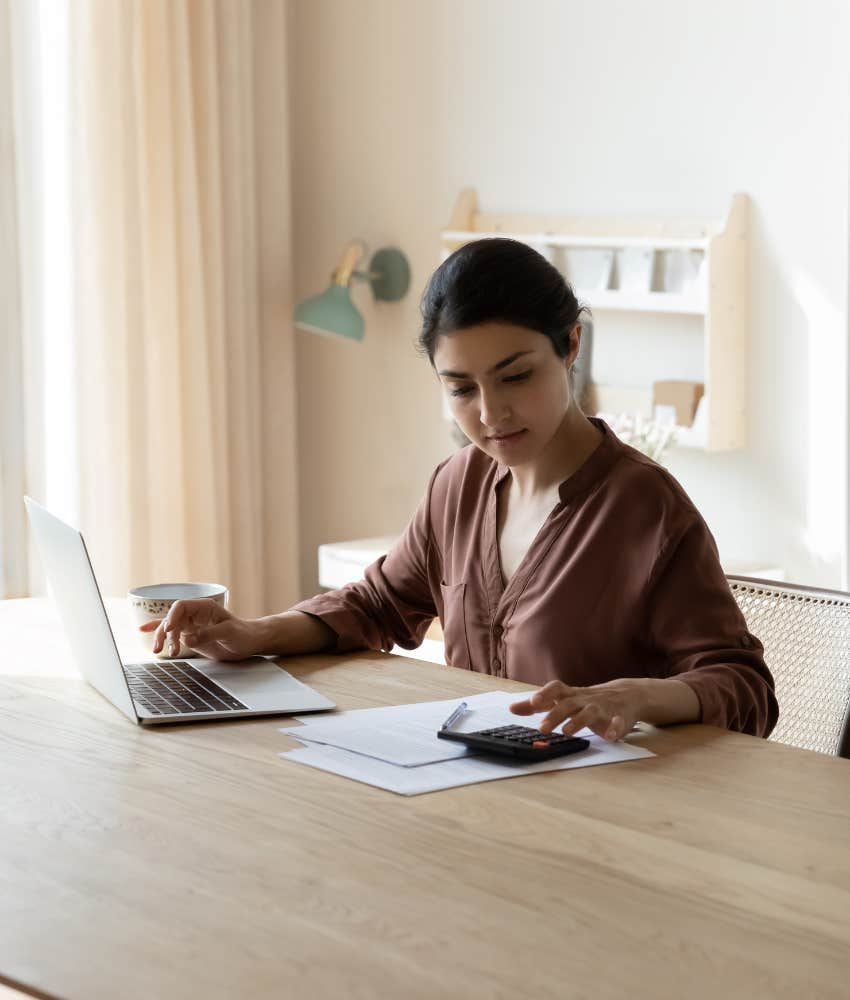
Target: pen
(456, 714)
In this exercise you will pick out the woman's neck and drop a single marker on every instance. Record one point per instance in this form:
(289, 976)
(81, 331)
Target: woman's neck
(570, 447)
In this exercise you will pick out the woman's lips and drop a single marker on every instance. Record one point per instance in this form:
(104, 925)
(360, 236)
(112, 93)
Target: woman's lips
(507, 438)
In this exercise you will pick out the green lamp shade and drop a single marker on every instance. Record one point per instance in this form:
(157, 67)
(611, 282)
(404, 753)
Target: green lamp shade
(332, 313)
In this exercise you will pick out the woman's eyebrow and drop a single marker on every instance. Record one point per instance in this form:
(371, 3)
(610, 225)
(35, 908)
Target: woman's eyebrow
(499, 364)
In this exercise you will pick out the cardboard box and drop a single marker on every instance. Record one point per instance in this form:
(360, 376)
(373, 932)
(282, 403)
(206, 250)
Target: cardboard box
(616, 399)
(682, 396)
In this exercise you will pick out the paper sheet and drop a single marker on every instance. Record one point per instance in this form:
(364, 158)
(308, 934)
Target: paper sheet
(452, 773)
(407, 734)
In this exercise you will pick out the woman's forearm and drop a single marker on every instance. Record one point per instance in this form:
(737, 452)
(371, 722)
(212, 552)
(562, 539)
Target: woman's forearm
(292, 633)
(666, 701)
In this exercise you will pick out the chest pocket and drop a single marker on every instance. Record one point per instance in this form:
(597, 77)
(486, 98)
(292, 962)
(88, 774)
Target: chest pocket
(454, 625)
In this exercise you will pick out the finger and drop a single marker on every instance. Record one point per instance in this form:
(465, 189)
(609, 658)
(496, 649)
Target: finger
(189, 616)
(179, 618)
(584, 717)
(610, 729)
(175, 613)
(164, 633)
(545, 698)
(150, 626)
(164, 643)
(159, 637)
(174, 639)
(563, 710)
(171, 636)
(617, 729)
(182, 611)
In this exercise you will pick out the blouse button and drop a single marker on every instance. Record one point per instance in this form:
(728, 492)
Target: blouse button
(497, 665)
(498, 631)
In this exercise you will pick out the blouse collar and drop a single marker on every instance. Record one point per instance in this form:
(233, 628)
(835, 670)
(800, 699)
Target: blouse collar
(595, 467)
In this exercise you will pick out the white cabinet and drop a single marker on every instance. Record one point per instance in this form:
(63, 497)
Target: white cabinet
(346, 562)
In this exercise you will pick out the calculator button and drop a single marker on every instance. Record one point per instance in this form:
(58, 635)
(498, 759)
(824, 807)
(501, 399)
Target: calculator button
(540, 743)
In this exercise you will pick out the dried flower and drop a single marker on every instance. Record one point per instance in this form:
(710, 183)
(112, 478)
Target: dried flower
(647, 436)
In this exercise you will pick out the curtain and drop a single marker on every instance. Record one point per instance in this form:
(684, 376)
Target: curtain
(21, 439)
(13, 580)
(181, 258)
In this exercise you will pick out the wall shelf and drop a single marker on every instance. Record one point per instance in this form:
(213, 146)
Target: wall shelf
(556, 240)
(717, 300)
(685, 304)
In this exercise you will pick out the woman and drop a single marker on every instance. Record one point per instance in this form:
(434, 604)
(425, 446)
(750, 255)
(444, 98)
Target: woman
(552, 552)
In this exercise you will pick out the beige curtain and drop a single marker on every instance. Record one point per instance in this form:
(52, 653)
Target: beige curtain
(182, 281)
(13, 567)
(21, 400)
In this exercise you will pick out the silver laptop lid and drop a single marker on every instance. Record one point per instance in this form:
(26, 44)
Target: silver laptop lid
(80, 606)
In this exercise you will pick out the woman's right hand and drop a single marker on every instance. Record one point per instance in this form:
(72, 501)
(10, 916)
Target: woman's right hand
(205, 626)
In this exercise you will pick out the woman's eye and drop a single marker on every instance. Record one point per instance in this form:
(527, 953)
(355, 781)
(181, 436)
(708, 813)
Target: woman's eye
(521, 377)
(463, 390)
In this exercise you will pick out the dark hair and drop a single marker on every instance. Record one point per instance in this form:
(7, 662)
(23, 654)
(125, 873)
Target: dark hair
(498, 280)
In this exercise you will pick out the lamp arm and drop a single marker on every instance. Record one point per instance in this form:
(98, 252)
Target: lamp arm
(350, 255)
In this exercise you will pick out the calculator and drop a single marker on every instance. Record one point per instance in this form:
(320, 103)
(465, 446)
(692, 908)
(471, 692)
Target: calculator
(521, 742)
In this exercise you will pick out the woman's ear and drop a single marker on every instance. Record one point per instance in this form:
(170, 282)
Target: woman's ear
(575, 344)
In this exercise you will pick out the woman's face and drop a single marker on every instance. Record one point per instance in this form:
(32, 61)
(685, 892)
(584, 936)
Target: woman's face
(507, 388)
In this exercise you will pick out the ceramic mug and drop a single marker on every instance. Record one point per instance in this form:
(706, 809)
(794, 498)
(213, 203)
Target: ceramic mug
(153, 601)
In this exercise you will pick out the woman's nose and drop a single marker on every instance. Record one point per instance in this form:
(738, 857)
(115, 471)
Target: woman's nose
(494, 410)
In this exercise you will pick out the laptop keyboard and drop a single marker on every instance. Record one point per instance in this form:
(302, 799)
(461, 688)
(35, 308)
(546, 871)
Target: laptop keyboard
(176, 687)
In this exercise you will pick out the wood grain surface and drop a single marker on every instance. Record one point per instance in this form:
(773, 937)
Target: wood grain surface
(191, 861)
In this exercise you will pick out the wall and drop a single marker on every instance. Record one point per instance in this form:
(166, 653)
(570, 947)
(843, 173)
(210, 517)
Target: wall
(577, 106)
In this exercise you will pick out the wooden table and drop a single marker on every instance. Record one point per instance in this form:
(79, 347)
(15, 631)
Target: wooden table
(193, 862)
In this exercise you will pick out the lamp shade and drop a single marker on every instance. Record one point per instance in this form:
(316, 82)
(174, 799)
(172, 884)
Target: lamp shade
(332, 313)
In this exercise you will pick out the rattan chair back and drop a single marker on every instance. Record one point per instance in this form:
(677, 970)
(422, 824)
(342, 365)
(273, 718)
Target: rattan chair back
(806, 638)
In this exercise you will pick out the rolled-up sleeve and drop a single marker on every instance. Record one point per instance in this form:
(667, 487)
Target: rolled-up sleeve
(393, 604)
(699, 634)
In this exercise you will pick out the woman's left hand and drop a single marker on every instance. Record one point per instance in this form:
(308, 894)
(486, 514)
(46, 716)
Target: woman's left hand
(610, 710)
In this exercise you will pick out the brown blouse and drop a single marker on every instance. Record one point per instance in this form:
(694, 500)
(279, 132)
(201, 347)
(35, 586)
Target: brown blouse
(622, 580)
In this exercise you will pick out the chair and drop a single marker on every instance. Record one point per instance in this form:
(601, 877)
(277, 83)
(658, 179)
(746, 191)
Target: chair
(806, 638)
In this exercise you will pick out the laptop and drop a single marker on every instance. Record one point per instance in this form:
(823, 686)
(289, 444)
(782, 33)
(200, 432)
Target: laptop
(155, 691)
